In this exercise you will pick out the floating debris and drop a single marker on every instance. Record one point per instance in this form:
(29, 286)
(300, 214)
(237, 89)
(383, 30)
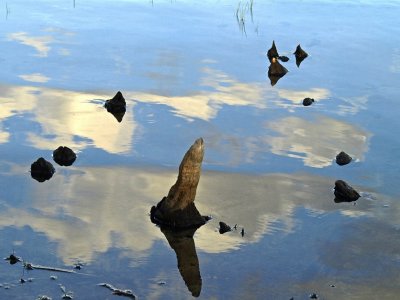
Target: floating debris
(161, 282)
(29, 266)
(300, 55)
(313, 296)
(283, 58)
(343, 158)
(53, 277)
(308, 101)
(344, 192)
(42, 170)
(223, 228)
(64, 156)
(126, 293)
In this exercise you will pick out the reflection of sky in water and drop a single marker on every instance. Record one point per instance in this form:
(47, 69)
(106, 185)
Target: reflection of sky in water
(188, 71)
(90, 212)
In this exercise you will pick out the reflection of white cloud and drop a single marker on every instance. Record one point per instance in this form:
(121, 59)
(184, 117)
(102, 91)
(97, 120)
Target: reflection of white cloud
(90, 211)
(317, 142)
(3, 136)
(35, 77)
(65, 115)
(352, 105)
(206, 104)
(39, 43)
(297, 96)
(354, 214)
(12, 103)
(222, 90)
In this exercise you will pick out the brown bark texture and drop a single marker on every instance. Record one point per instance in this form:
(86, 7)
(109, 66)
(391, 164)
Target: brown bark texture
(177, 210)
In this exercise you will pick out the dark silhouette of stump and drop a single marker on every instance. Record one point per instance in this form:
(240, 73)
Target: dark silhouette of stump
(182, 243)
(344, 192)
(308, 101)
(64, 156)
(283, 58)
(272, 52)
(343, 158)
(276, 71)
(116, 106)
(42, 170)
(177, 210)
(223, 228)
(300, 55)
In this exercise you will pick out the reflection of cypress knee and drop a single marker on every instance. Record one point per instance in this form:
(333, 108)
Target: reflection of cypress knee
(177, 210)
(188, 263)
(276, 71)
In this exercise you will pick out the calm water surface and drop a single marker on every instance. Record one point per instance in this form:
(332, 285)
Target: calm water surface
(189, 69)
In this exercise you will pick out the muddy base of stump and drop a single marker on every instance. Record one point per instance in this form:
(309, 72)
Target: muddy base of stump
(179, 219)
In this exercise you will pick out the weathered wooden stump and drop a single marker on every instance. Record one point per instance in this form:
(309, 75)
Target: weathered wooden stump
(344, 192)
(42, 170)
(308, 101)
(272, 52)
(64, 156)
(117, 104)
(300, 55)
(177, 210)
(343, 158)
(223, 228)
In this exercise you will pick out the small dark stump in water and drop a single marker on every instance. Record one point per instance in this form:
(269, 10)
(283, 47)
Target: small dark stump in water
(42, 170)
(343, 158)
(116, 104)
(64, 156)
(283, 58)
(344, 192)
(308, 101)
(223, 228)
(300, 55)
(272, 52)
(313, 296)
(13, 259)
